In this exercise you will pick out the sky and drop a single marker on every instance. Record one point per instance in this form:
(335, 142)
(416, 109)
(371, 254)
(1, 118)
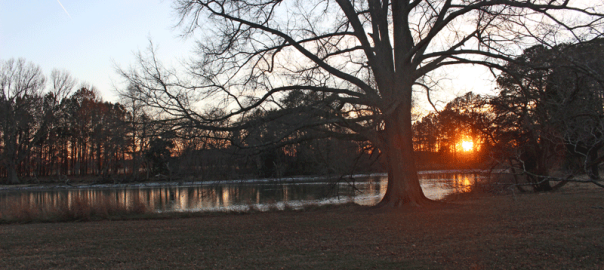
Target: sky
(89, 38)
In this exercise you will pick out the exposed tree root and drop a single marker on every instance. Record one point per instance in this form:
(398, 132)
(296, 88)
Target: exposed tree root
(421, 202)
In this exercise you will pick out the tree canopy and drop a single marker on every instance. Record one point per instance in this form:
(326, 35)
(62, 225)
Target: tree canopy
(550, 108)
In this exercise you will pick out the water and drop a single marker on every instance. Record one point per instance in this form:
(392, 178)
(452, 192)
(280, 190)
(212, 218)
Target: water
(240, 195)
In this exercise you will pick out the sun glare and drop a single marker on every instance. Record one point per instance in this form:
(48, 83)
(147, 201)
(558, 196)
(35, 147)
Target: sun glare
(467, 146)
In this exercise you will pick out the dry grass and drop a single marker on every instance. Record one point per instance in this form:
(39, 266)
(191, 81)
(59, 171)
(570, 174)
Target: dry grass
(561, 230)
(77, 209)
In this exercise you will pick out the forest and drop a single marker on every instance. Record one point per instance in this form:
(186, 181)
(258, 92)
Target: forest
(52, 131)
(545, 124)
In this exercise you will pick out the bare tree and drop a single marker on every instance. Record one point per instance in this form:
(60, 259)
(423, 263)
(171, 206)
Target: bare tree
(62, 84)
(363, 58)
(52, 124)
(21, 85)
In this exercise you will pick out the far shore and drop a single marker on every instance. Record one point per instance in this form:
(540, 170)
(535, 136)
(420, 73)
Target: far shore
(162, 180)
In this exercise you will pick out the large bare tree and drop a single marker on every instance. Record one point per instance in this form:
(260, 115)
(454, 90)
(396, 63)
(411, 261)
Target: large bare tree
(364, 58)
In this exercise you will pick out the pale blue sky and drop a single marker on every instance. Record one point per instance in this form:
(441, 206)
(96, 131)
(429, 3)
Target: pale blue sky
(94, 36)
(89, 41)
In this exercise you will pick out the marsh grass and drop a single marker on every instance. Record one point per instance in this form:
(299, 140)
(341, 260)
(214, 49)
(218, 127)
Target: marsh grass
(82, 208)
(79, 208)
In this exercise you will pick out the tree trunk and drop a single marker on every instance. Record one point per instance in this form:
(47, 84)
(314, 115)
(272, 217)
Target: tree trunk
(541, 172)
(593, 171)
(11, 173)
(541, 184)
(403, 182)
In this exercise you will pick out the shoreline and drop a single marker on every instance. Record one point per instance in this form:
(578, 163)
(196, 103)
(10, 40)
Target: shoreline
(529, 231)
(177, 183)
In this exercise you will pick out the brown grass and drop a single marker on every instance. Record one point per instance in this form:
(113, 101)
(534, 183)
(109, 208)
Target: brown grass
(79, 209)
(562, 230)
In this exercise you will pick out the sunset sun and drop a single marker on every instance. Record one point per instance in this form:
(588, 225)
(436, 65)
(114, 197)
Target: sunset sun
(467, 146)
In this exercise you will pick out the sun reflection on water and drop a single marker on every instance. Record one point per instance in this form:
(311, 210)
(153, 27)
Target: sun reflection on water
(224, 196)
(462, 183)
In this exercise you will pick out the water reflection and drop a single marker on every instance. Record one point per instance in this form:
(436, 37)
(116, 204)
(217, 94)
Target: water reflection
(443, 184)
(240, 195)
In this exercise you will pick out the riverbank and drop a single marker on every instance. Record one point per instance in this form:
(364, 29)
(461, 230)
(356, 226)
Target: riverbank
(91, 183)
(561, 230)
(156, 182)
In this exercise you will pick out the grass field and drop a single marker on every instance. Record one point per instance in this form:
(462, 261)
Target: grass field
(562, 230)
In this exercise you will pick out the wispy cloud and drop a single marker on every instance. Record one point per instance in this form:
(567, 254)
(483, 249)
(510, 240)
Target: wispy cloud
(64, 9)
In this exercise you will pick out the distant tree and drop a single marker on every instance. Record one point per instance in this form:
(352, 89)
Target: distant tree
(113, 131)
(363, 58)
(158, 155)
(550, 106)
(468, 117)
(140, 130)
(53, 123)
(22, 84)
(92, 137)
(313, 150)
(78, 128)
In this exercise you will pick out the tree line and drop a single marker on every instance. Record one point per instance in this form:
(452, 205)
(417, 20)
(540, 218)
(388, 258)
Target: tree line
(546, 124)
(52, 130)
(353, 69)
(546, 119)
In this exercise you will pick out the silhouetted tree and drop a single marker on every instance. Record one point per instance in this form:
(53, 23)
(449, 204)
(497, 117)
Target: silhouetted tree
(550, 105)
(21, 86)
(468, 117)
(158, 155)
(362, 58)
